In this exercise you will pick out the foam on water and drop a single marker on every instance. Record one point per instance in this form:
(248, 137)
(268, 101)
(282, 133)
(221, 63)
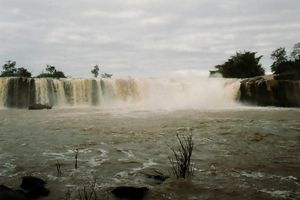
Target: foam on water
(96, 162)
(277, 193)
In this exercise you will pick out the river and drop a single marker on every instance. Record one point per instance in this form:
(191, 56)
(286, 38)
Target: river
(240, 152)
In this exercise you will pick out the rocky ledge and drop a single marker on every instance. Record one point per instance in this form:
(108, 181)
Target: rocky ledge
(271, 90)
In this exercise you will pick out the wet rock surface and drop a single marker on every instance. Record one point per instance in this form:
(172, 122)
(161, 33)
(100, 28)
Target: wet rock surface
(38, 107)
(34, 187)
(7, 193)
(154, 175)
(130, 193)
(270, 91)
(31, 188)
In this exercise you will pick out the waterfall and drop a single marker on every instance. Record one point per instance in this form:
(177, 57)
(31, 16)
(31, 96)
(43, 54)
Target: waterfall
(169, 92)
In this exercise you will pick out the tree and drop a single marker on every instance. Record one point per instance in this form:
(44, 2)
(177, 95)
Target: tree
(51, 69)
(278, 56)
(106, 75)
(59, 74)
(295, 55)
(22, 72)
(284, 65)
(9, 69)
(95, 71)
(51, 73)
(241, 65)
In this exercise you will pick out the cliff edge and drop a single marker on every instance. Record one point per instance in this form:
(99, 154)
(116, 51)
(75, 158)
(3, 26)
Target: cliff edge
(271, 90)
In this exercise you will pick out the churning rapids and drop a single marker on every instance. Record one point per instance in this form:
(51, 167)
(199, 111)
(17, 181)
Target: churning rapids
(124, 130)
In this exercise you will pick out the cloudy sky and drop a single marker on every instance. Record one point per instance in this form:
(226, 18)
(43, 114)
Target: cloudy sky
(142, 37)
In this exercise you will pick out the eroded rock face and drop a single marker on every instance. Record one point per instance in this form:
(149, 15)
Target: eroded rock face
(270, 91)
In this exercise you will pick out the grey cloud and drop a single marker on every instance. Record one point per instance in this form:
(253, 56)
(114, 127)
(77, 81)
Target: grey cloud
(140, 37)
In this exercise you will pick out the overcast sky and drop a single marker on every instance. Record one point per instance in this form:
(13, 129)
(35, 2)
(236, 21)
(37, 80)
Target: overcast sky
(142, 37)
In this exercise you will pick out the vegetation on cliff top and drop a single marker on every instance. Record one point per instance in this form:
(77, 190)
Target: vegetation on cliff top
(246, 64)
(51, 72)
(95, 72)
(241, 65)
(289, 66)
(10, 70)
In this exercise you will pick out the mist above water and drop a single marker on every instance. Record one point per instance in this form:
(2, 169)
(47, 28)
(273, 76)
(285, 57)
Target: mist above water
(194, 92)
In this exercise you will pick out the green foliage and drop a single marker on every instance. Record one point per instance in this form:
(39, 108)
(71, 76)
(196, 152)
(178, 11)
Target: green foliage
(9, 67)
(59, 74)
(95, 71)
(22, 72)
(278, 56)
(51, 73)
(241, 65)
(283, 65)
(50, 69)
(289, 66)
(295, 55)
(106, 75)
(10, 70)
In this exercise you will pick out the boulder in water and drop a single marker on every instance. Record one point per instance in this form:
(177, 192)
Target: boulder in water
(34, 187)
(130, 193)
(39, 107)
(7, 193)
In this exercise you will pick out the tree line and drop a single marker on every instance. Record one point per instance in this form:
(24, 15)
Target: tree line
(246, 64)
(9, 69)
(241, 65)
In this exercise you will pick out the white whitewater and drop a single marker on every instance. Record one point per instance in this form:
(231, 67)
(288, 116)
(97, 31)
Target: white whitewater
(168, 92)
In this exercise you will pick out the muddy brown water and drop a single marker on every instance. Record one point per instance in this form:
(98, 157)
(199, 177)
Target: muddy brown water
(240, 153)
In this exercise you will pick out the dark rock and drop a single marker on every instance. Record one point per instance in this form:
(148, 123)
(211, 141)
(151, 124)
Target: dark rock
(158, 178)
(34, 187)
(268, 91)
(130, 193)
(38, 107)
(7, 193)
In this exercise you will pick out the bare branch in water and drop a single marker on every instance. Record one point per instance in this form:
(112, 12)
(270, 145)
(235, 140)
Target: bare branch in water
(181, 165)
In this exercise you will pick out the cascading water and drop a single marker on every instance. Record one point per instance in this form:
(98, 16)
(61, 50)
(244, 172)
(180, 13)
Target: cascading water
(171, 92)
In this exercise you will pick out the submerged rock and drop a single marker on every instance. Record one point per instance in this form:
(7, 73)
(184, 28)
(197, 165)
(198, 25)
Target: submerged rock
(270, 91)
(34, 187)
(39, 107)
(130, 193)
(155, 175)
(7, 193)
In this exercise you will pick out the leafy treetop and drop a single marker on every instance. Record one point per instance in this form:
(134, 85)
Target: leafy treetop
(95, 71)
(10, 70)
(241, 65)
(284, 65)
(295, 55)
(279, 56)
(51, 73)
